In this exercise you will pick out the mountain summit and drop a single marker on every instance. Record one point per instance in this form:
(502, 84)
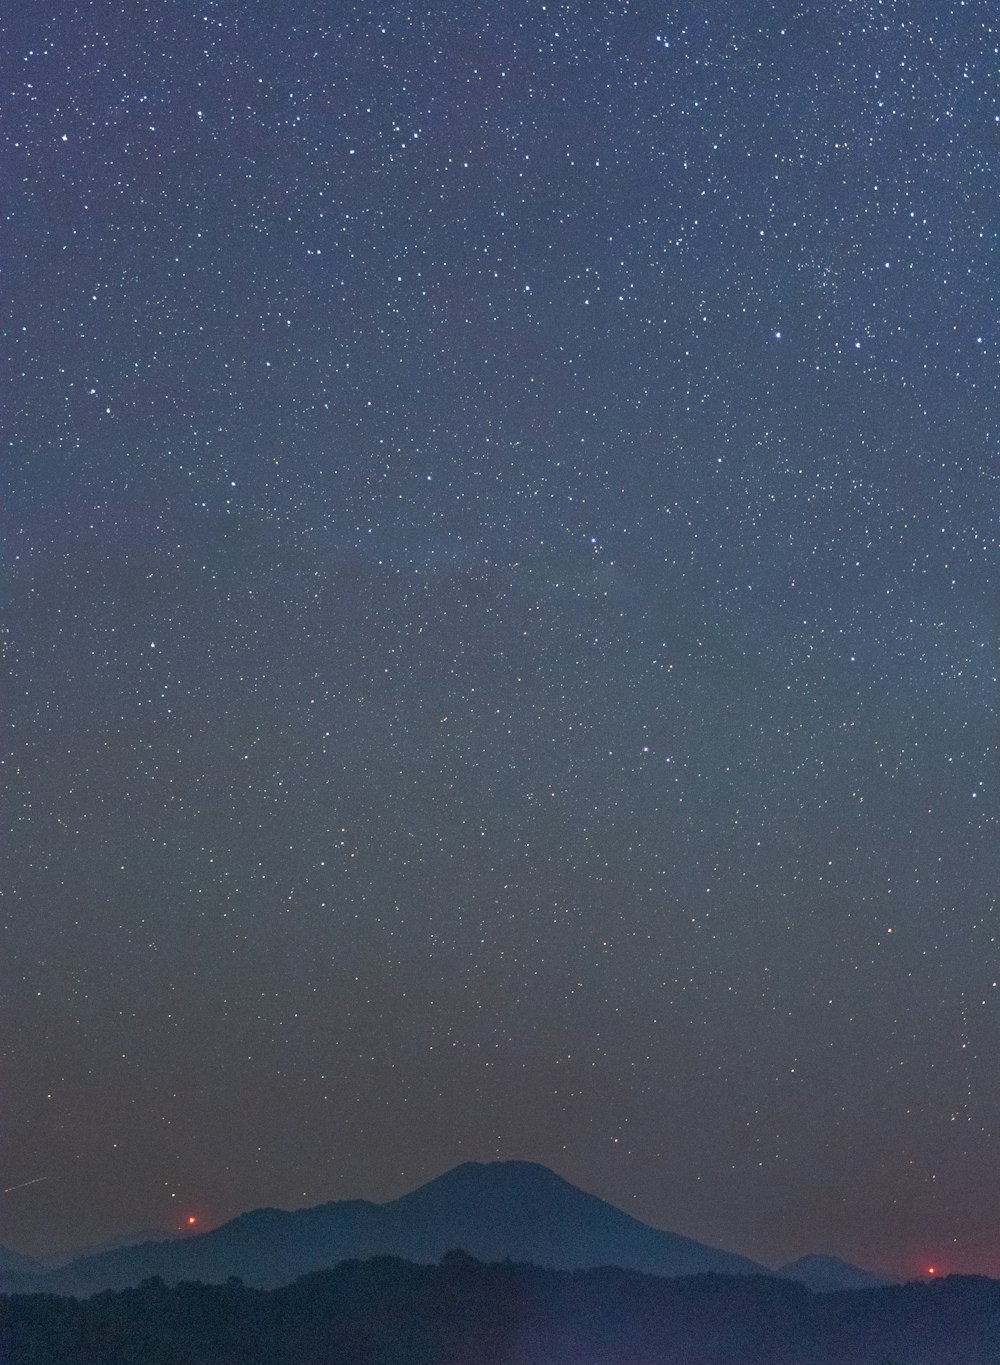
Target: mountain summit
(521, 1211)
(828, 1274)
(508, 1210)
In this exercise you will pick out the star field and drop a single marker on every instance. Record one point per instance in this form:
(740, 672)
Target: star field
(500, 635)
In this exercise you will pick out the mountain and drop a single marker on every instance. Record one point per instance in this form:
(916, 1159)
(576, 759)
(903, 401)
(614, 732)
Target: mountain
(520, 1211)
(512, 1210)
(827, 1274)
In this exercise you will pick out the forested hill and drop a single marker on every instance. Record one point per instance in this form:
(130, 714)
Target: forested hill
(399, 1313)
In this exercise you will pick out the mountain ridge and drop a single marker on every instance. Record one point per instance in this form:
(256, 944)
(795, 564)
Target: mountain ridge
(496, 1211)
(513, 1211)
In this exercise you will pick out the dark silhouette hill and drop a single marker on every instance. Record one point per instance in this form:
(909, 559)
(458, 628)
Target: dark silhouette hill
(828, 1274)
(499, 1211)
(461, 1311)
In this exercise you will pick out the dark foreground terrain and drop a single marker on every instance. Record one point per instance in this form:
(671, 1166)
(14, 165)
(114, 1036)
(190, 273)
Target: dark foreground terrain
(462, 1312)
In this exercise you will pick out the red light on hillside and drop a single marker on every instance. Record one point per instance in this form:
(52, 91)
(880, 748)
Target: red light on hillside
(931, 1270)
(191, 1220)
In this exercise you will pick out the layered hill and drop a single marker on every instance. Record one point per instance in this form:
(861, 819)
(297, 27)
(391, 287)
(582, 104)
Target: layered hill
(399, 1313)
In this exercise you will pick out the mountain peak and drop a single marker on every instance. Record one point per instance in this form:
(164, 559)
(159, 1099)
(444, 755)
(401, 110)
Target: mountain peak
(512, 1167)
(827, 1274)
(503, 1174)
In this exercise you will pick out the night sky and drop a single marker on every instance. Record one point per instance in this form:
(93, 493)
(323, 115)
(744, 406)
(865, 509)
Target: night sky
(500, 612)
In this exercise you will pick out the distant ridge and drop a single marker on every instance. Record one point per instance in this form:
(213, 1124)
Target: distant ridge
(13, 1263)
(510, 1210)
(827, 1274)
(127, 1239)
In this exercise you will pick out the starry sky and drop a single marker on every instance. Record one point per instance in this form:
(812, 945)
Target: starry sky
(499, 612)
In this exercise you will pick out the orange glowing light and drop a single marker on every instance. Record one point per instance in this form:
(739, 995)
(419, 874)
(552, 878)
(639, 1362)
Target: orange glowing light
(931, 1270)
(191, 1220)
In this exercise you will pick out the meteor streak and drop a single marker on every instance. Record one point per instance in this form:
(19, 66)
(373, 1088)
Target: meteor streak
(24, 1184)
